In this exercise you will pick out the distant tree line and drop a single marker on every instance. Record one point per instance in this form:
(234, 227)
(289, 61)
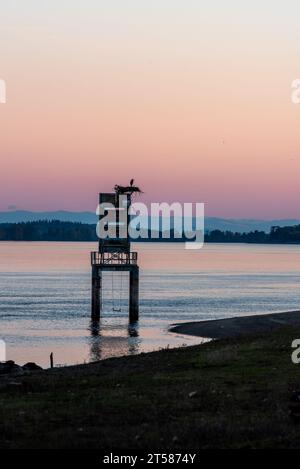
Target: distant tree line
(45, 230)
(218, 236)
(55, 230)
(285, 234)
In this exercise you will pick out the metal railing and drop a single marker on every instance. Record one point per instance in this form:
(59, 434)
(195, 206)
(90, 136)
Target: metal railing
(116, 258)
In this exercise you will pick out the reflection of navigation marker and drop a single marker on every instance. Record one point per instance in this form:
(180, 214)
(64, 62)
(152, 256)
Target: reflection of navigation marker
(2, 92)
(2, 351)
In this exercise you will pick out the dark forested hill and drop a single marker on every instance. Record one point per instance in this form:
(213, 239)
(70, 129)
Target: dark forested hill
(47, 231)
(56, 230)
(240, 225)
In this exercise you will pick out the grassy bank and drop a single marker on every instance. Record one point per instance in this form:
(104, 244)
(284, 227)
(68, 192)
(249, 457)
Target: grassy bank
(232, 393)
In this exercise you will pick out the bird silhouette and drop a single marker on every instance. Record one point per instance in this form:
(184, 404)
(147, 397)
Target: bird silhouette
(131, 182)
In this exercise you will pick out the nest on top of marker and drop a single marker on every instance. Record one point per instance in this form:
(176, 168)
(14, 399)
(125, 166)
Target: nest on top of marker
(127, 189)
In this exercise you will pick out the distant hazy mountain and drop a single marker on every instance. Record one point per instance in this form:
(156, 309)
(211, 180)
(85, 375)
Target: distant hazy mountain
(62, 215)
(211, 223)
(241, 225)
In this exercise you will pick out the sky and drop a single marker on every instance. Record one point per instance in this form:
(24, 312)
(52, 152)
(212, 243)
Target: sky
(191, 98)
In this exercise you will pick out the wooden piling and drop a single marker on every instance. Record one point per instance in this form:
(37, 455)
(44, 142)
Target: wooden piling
(96, 292)
(134, 294)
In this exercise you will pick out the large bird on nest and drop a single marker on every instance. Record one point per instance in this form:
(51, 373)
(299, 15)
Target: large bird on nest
(127, 189)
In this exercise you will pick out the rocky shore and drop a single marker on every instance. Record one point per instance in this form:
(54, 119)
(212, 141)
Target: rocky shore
(238, 326)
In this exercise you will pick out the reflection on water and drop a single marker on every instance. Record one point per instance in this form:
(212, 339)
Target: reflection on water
(45, 291)
(95, 341)
(101, 344)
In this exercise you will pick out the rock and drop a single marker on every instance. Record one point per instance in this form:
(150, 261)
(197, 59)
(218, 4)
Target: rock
(10, 367)
(31, 366)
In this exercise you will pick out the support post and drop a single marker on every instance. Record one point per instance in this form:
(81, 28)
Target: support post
(134, 294)
(96, 292)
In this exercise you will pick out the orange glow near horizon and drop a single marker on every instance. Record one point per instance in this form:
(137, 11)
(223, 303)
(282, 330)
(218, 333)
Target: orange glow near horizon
(192, 99)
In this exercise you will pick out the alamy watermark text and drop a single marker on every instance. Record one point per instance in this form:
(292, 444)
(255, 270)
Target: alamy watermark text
(2, 91)
(168, 221)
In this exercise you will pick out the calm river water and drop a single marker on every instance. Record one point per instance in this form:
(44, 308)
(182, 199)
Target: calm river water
(45, 296)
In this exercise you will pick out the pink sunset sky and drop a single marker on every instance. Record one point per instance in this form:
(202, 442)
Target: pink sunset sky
(191, 98)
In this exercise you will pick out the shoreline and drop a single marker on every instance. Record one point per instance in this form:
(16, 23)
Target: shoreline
(213, 329)
(231, 393)
(237, 326)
